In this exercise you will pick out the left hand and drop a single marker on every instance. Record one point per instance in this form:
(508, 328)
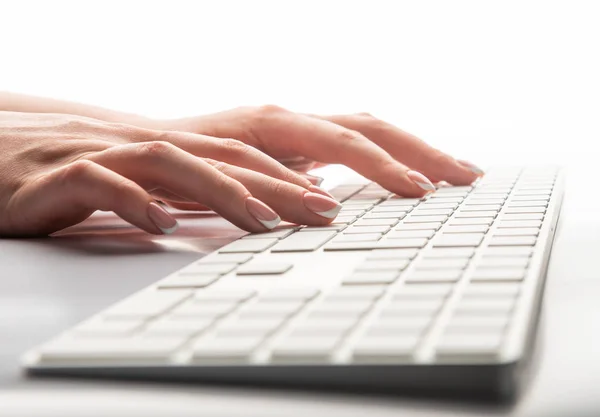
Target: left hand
(381, 152)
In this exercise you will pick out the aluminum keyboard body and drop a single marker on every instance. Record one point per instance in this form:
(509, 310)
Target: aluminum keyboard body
(439, 294)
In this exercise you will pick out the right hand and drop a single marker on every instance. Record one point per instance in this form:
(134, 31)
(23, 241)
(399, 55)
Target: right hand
(57, 169)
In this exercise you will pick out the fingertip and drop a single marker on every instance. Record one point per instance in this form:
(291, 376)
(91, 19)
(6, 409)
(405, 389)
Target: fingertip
(471, 167)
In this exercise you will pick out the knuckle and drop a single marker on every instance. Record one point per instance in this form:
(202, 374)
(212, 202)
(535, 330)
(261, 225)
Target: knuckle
(365, 114)
(235, 147)
(349, 135)
(270, 110)
(77, 169)
(156, 150)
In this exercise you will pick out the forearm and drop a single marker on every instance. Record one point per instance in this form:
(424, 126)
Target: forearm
(31, 104)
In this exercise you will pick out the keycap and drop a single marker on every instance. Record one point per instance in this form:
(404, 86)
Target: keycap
(271, 309)
(499, 289)
(351, 293)
(476, 324)
(425, 219)
(279, 234)
(431, 212)
(513, 241)
(529, 216)
(390, 209)
(397, 200)
(417, 307)
(503, 224)
(225, 258)
(529, 199)
(392, 325)
(365, 229)
(392, 254)
(453, 189)
(474, 214)
(250, 326)
(264, 268)
(524, 210)
(383, 265)
(449, 195)
(371, 277)
(492, 208)
(225, 349)
(74, 349)
(483, 202)
(325, 326)
(248, 245)
(373, 349)
(167, 327)
(148, 304)
(418, 226)
(303, 242)
(284, 294)
(208, 269)
(472, 306)
(470, 221)
(386, 215)
(498, 274)
(470, 347)
(406, 234)
(381, 244)
(358, 237)
(331, 309)
(189, 281)
(438, 204)
(458, 263)
(419, 291)
(515, 251)
(476, 228)
(376, 222)
(458, 240)
(517, 231)
(449, 253)
(99, 327)
(348, 211)
(216, 295)
(302, 347)
(442, 275)
(197, 308)
(332, 227)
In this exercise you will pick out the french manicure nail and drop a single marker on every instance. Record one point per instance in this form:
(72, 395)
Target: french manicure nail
(472, 167)
(313, 179)
(421, 180)
(162, 219)
(319, 190)
(322, 205)
(263, 213)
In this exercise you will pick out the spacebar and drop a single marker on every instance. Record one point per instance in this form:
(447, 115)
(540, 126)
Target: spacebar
(303, 242)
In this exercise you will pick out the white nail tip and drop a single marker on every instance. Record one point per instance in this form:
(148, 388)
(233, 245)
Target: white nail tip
(425, 186)
(270, 224)
(476, 170)
(330, 214)
(169, 230)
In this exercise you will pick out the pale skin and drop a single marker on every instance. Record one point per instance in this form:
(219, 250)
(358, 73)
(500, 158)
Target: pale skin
(61, 161)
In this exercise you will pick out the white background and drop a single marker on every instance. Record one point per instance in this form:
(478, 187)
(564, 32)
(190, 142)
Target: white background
(493, 82)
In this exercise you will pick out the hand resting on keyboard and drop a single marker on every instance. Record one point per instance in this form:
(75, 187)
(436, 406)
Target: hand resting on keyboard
(62, 161)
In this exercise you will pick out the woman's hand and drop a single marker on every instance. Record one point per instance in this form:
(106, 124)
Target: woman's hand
(57, 169)
(379, 151)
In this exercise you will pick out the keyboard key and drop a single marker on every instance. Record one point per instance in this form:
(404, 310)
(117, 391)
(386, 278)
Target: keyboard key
(425, 219)
(449, 253)
(383, 265)
(106, 328)
(469, 347)
(371, 277)
(498, 274)
(406, 234)
(271, 309)
(529, 216)
(482, 202)
(387, 215)
(375, 222)
(197, 308)
(418, 226)
(431, 212)
(499, 262)
(503, 224)
(169, 327)
(392, 326)
(208, 269)
(358, 237)
(225, 349)
(365, 229)
(381, 244)
(517, 231)
(344, 309)
(438, 204)
(288, 294)
(442, 275)
(257, 327)
(471, 221)
(476, 324)
(419, 291)
(513, 241)
(515, 251)
(148, 304)
(501, 289)
(390, 209)
(492, 208)
(404, 308)
(392, 254)
(225, 258)
(387, 349)
(458, 263)
(471, 306)
(237, 295)
(474, 214)
(397, 200)
(324, 327)
(248, 245)
(479, 228)
(525, 210)
(190, 281)
(278, 234)
(303, 348)
(303, 242)
(351, 293)
(529, 199)
(264, 268)
(458, 240)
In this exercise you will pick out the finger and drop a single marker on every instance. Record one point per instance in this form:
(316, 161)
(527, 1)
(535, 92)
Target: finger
(172, 198)
(327, 142)
(293, 203)
(162, 165)
(187, 206)
(230, 151)
(72, 193)
(409, 149)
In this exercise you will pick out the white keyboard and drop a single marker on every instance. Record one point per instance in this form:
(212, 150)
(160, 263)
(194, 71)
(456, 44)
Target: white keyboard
(434, 294)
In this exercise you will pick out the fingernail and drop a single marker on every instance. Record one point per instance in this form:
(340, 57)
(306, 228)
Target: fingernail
(162, 219)
(318, 190)
(313, 179)
(421, 180)
(472, 167)
(322, 205)
(263, 213)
